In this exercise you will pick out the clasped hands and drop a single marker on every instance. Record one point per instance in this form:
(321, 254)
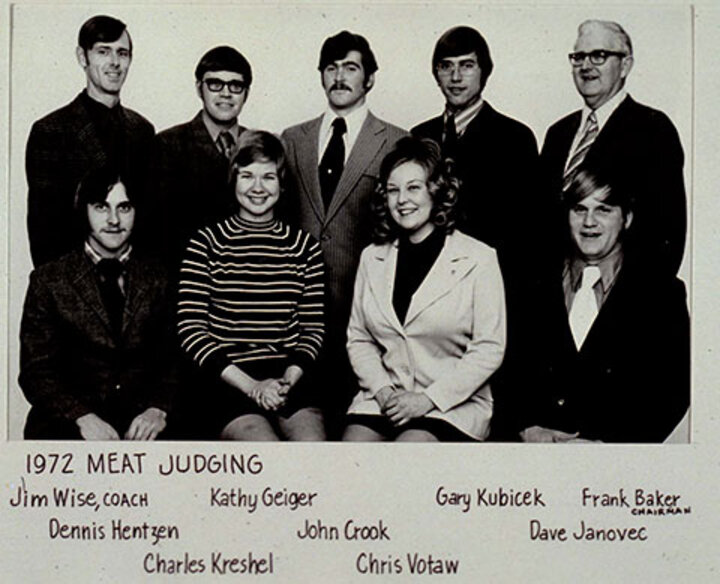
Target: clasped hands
(401, 406)
(271, 393)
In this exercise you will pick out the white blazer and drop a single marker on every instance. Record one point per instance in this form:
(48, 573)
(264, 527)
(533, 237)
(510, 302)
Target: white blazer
(451, 342)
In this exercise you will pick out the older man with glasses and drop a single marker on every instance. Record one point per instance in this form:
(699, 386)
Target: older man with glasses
(192, 159)
(614, 129)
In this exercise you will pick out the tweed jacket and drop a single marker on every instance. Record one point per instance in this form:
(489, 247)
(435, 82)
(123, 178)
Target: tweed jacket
(629, 382)
(61, 148)
(190, 181)
(451, 342)
(71, 364)
(497, 162)
(344, 229)
(642, 145)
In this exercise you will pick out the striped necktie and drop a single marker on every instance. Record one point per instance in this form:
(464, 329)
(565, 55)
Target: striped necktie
(589, 135)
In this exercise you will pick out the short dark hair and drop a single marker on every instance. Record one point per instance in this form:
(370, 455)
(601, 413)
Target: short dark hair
(590, 179)
(442, 184)
(335, 48)
(224, 58)
(462, 40)
(94, 188)
(101, 29)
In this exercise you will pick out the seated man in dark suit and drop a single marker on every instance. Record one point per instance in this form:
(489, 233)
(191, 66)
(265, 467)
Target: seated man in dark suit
(496, 156)
(604, 351)
(192, 159)
(97, 350)
(615, 130)
(92, 130)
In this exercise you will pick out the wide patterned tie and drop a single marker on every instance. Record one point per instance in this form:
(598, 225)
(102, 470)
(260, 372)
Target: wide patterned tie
(584, 307)
(589, 135)
(227, 143)
(333, 161)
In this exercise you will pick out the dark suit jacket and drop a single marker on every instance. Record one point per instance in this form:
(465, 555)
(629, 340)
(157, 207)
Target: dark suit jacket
(70, 362)
(497, 161)
(630, 382)
(643, 146)
(344, 230)
(190, 181)
(61, 148)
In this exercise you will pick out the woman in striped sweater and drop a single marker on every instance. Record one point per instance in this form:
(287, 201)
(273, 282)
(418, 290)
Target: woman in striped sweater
(250, 307)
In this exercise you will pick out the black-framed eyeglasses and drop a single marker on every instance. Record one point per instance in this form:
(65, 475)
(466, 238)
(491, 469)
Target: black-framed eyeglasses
(596, 57)
(217, 85)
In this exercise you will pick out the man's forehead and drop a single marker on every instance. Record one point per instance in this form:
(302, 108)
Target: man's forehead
(352, 58)
(460, 58)
(597, 36)
(122, 43)
(224, 75)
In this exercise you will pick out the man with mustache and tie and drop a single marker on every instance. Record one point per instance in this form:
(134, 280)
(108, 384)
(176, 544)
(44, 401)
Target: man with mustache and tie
(335, 160)
(192, 159)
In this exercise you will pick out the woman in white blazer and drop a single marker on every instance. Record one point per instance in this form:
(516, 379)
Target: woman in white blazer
(427, 327)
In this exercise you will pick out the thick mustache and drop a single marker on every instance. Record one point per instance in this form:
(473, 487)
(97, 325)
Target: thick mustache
(340, 86)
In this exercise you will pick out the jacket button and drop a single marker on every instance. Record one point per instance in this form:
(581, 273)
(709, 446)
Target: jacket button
(117, 387)
(325, 237)
(561, 402)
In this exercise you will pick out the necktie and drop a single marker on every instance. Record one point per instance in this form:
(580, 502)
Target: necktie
(450, 136)
(110, 291)
(226, 142)
(584, 307)
(589, 135)
(333, 161)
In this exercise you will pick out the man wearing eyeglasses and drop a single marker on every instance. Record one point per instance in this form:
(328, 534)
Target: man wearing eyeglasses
(496, 156)
(192, 159)
(613, 128)
(92, 130)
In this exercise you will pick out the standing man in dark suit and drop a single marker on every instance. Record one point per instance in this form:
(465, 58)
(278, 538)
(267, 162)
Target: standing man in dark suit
(335, 161)
(192, 159)
(605, 346)
(613, 128)
(496, 155)
(92, 130)
(97, 351)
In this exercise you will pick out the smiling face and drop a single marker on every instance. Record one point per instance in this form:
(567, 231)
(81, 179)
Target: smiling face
(599, 83)
(223, 106)
(460, 80)
(106, 66)
(409, 200)
(345, 83)
(111, 222)
(257, 188)
(596, 227)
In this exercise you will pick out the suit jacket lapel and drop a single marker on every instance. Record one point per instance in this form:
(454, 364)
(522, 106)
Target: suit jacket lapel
(136, 286)
(87, 135)
(307, 155)
(369, 142)
(200, 136)
(451, 266)
(82, 276)
(381, 279)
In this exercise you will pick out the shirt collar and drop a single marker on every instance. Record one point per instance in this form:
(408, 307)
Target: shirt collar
(214, 130)
(603, 113)
(95, 257)
(464, 117)
(609, 267)
(354, 121)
